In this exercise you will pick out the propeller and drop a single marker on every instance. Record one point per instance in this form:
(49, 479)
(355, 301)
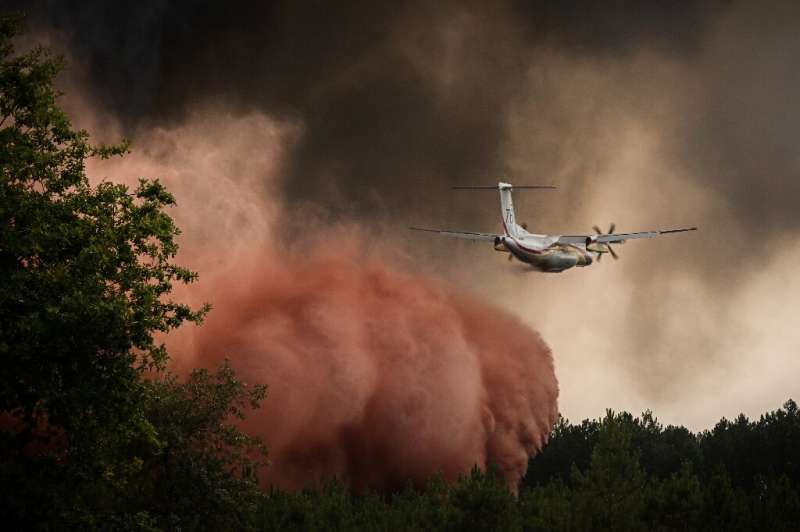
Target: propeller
(607, 246)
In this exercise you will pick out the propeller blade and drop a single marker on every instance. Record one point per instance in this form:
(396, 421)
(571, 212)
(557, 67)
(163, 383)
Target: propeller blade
(604, 248)
(510, 257)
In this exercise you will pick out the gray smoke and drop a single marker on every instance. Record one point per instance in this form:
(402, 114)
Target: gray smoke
(646, 114)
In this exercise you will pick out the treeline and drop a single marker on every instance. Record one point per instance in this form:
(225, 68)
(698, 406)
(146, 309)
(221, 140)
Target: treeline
(618, 473)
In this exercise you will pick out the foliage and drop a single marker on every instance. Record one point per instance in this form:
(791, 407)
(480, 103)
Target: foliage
(610, 494)
(630, 481)
(203, 472)
(478, 501)
(83, 269)
(569, 444)
(93, 432)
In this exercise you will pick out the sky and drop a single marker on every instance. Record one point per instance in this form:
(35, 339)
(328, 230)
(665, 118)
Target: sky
(364, 115)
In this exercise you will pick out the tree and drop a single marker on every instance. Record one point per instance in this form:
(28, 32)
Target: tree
(87, 412)
(664, 450)
(84, 270)
(776, 503)
(724, 507)
(547, 508)
(431, 509)
(482, 501)
(676, 503)
(203, 472)
(778, 434)
(568, 444)
(610, 495)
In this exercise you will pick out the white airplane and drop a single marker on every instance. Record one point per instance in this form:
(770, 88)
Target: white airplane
(547, 253)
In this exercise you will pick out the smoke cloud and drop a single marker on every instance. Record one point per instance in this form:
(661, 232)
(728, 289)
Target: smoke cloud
(375, 373)
(643, 114)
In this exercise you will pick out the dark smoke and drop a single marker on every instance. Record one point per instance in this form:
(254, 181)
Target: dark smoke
(648, 114)
(393, 99)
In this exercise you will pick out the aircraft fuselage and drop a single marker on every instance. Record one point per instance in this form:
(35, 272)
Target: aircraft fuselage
(555, 258)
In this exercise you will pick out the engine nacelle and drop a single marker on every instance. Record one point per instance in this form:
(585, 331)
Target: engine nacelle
(500, 244)
(581, 257)
(594, 246)
(584, 259)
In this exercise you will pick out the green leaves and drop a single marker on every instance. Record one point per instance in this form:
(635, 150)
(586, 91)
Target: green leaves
(202, 472)
(610, 495)
(742, 475)
(86, 273)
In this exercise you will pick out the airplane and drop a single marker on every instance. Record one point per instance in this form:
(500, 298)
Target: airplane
(546, 253)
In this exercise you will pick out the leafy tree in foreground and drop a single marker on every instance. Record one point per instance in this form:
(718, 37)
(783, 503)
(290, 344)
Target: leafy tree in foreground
(93, 432)
(186, 481)
(84, 270)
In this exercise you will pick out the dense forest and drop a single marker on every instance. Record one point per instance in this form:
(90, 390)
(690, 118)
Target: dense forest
(97, 433)
(616, 473)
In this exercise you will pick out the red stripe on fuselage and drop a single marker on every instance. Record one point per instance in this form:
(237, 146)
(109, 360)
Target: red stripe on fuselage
(529, 250)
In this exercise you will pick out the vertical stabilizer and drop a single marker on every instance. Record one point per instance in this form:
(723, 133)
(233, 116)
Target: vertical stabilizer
(507, 209)
(506, 204)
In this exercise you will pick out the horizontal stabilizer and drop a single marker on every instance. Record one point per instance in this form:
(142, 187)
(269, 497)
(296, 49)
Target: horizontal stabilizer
(495, 187)
(678, 230)
(469, 235)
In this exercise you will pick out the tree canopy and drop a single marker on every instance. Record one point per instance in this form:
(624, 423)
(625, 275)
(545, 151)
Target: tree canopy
(619, 474)
(86, 272)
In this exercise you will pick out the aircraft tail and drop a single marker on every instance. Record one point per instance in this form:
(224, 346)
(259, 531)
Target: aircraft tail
(506, 203)
(507, 209)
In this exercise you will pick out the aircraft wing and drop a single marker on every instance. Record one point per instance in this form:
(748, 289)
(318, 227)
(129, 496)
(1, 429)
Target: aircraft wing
(469, 235)
(613, 238)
